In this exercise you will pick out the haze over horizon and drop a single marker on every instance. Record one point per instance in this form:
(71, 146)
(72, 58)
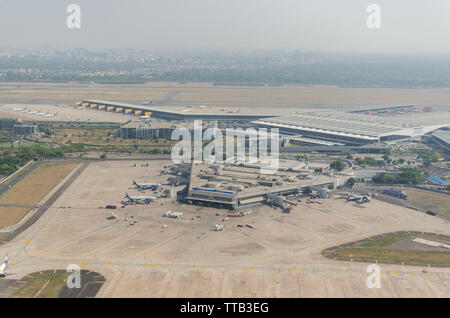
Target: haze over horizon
(410, 27)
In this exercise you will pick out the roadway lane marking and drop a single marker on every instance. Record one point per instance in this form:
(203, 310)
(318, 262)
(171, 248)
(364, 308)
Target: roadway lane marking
(107, 263)
(85, 263)
(27, 241)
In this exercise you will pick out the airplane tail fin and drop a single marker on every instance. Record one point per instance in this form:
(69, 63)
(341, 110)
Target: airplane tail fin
(6, 259)
(126, 195)
(134, 182)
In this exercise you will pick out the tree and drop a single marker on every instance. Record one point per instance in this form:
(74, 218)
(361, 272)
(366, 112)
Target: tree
(350, 182)
(349, 156)
(338, 165)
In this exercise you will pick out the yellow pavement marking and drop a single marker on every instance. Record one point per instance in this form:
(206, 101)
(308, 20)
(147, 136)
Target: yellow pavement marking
(204, 267)
(29, 276)
(253, 268)
(302, 269)
(244, 268)
(27, 241)
(343, 270)
(54, 271)
(395, 272)
(334, 258)
(156, 265)
(44, 228)
(413, 273)
(107, 263)
(98, 276)
(196, 266)
(85, 263)
(51, 259)
(360, 231)
(63, 261)
(151, 265)
(13, 287)
(218, 265)
(350, 271)
(166, 265)
(339, 240)
(41, 273)
(429, 265)
(293, 269)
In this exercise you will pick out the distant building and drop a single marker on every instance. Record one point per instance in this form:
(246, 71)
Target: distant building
(26, 129)
(16, 126)
(149, 130)
(9, 123)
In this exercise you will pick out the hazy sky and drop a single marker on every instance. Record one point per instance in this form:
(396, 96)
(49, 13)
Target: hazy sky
(407, 26)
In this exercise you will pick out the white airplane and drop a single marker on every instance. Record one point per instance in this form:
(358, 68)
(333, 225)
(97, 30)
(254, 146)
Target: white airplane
(140, 199)
(143, 186)
(113, 216)
(3, 268)
(50, 115)
(358, 198)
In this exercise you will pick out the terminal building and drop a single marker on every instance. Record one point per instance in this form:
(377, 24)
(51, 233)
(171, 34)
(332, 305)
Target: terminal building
(234, 186)
(333, 128)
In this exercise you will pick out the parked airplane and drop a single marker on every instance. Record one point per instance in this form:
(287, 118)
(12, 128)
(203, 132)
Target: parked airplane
(140, 199)
(143, 186)
(3, 268)
(358, 198)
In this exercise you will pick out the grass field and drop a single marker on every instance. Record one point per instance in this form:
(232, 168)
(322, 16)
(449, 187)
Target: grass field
(425, 257)
(376, 250)
(204, 93)
(387, 241)
(45, 286)
(31, 190)
(429, 200)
